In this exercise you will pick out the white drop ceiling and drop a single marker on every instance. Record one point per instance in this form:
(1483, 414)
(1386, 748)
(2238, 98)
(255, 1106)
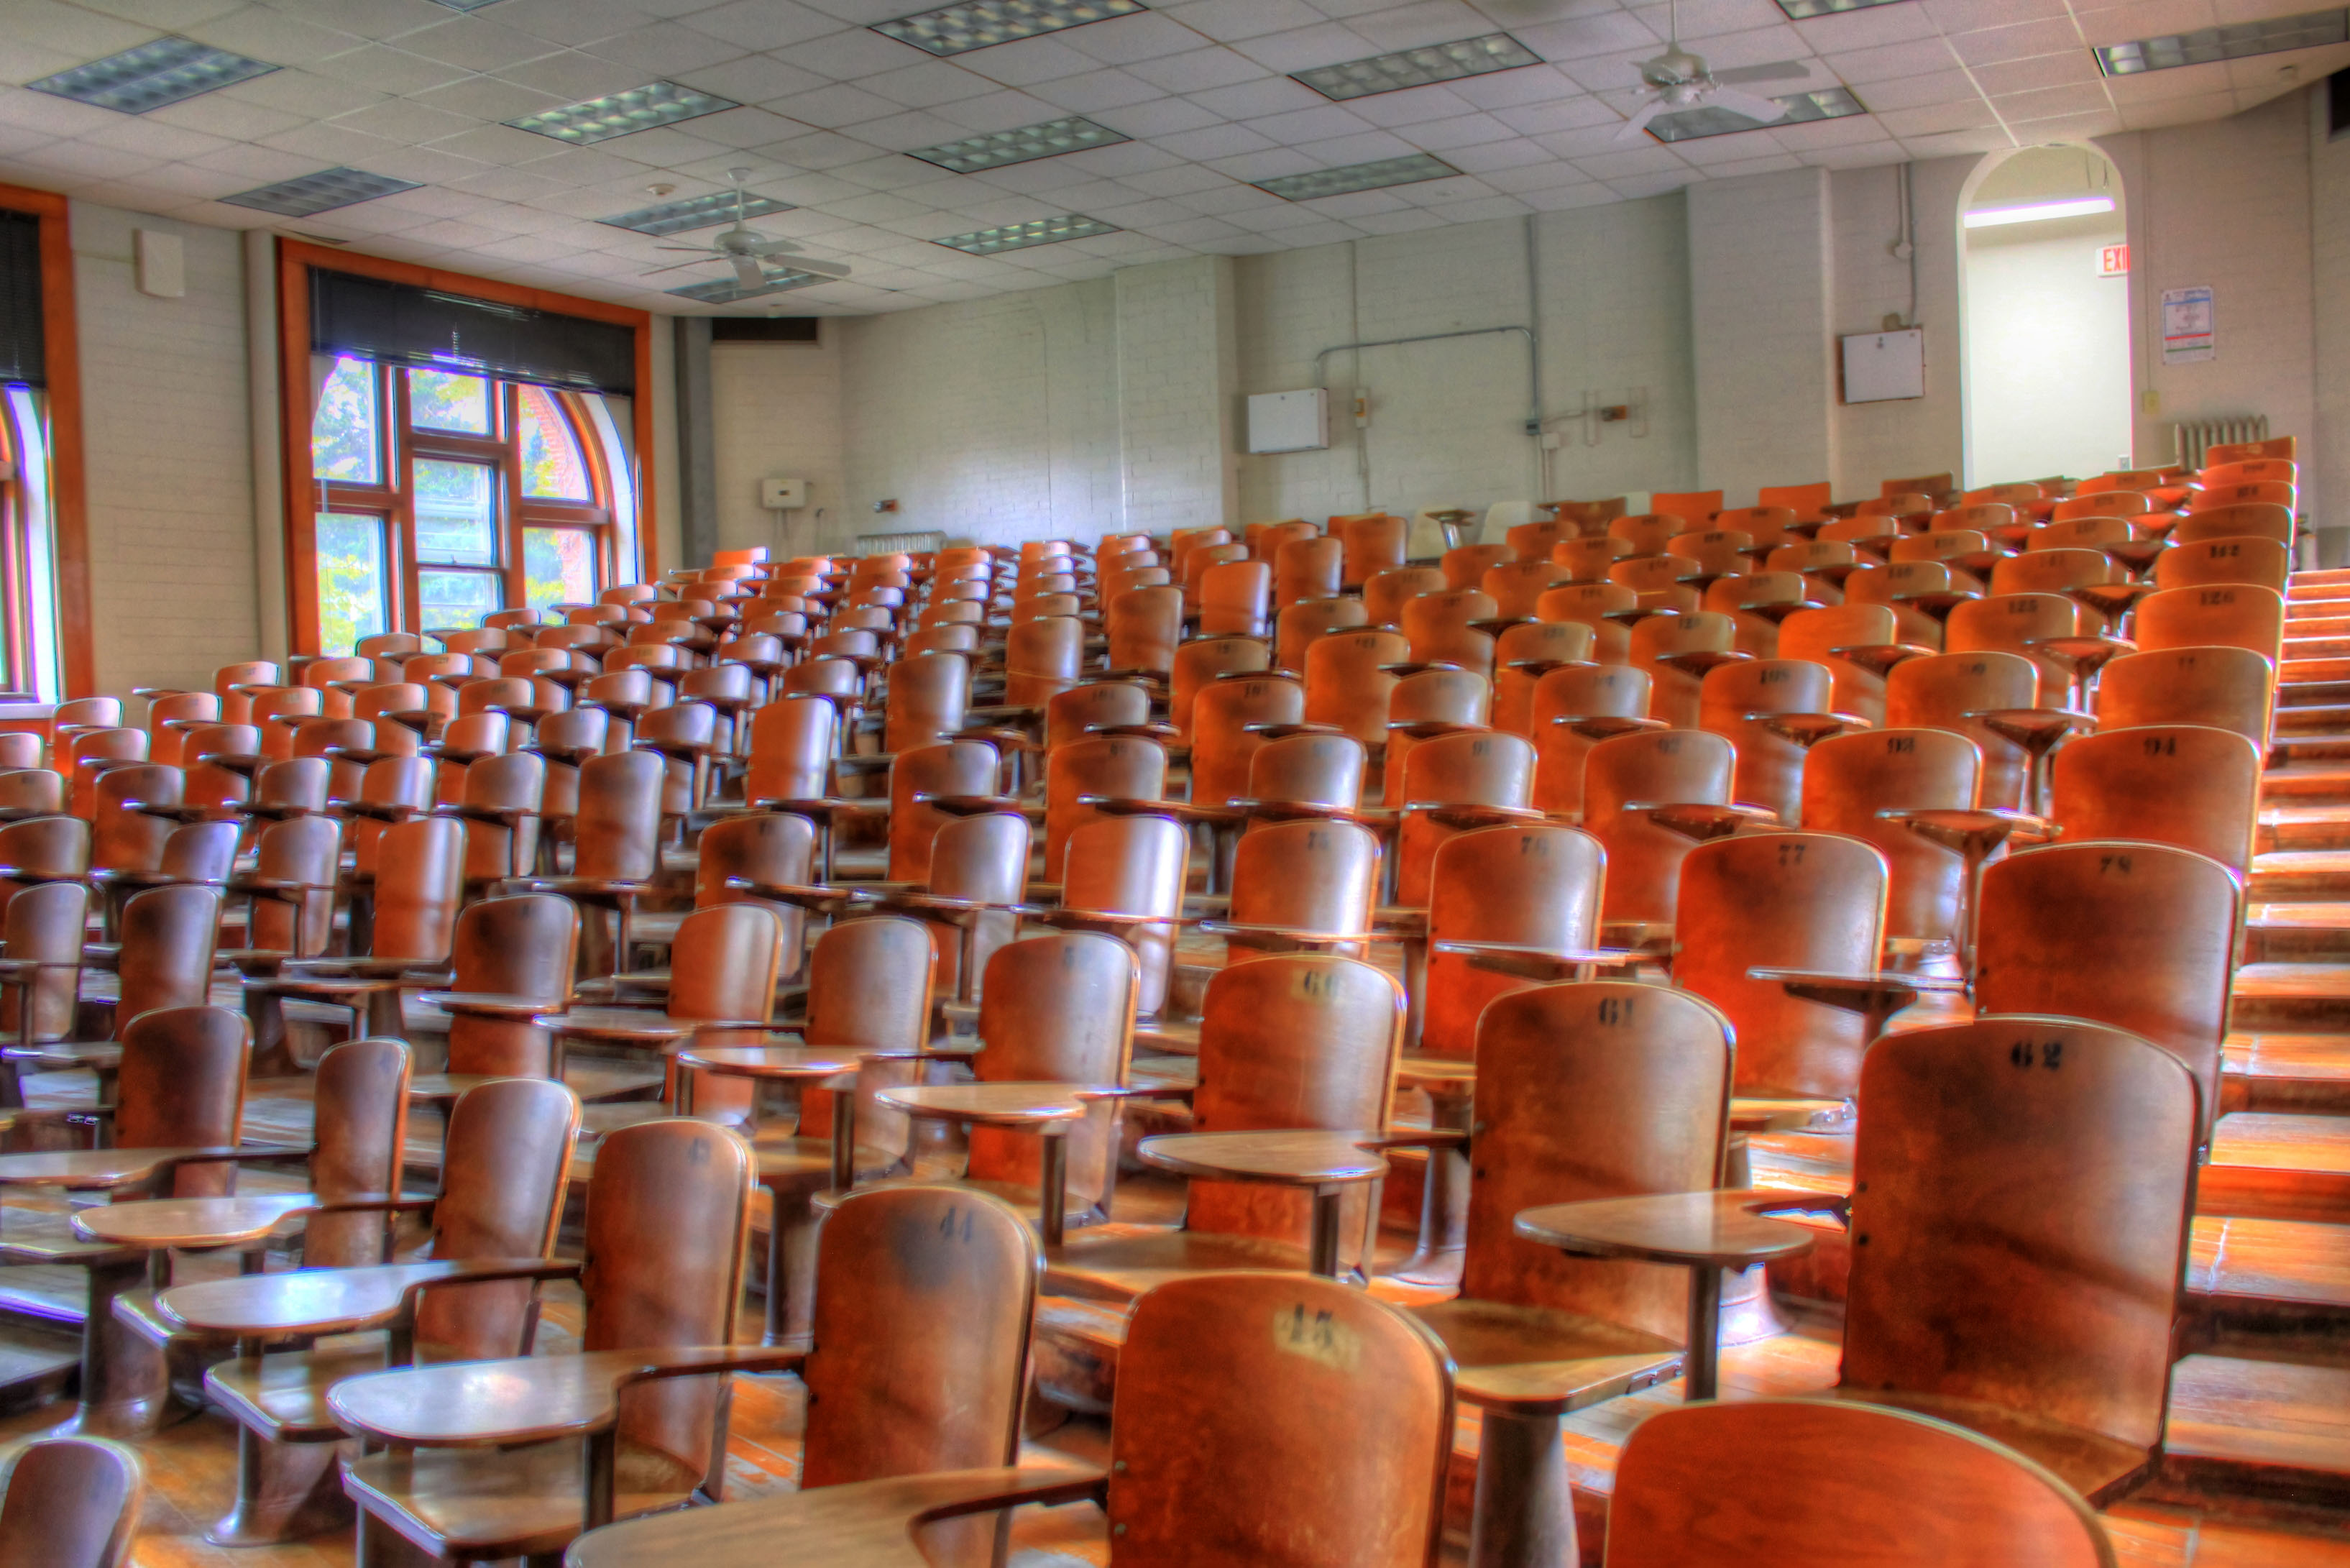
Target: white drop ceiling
(417, 90)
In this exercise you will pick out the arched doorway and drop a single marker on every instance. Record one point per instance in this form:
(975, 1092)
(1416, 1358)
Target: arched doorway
(2044, 302)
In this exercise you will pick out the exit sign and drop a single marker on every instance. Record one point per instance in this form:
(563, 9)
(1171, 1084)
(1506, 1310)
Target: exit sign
(2112, 261)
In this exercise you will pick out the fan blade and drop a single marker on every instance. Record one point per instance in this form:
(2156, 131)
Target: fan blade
(1631, 129)
(687, 250)
(821, 268)
(747, 272)
(1760, 110)
(1776, 72)
(772, 247)
(673, 266)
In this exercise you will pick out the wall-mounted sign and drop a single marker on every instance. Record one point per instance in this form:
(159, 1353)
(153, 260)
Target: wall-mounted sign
(2112, 261)
(2186, 326)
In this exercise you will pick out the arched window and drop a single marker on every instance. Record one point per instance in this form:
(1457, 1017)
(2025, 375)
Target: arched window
(443, 495)
(29, 654)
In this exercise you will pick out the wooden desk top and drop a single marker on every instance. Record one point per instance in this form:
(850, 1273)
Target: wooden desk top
(770, 1061)
(993, 1104)
(318, 1301)
(1438, 1073)
(636, 1024)
(95, 1168)
(1290, 1159)
(190, 1221)
(492, 1005)
(530, 1399)
(1720, 1230)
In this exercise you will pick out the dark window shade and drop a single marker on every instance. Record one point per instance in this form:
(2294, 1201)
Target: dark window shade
(764, 328)
(2337, 106)
(399, 324)
(22, 355)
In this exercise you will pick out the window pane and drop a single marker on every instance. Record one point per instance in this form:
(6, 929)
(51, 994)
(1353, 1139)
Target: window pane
(558, 566)
(351, 581)
(552, 465)
(457, 598)
(456, 513)
(346, 438)
(439, 401)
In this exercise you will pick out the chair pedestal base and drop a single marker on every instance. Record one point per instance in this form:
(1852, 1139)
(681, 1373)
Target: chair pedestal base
(285, 1492)
(126, 1381)
(1526, 1508)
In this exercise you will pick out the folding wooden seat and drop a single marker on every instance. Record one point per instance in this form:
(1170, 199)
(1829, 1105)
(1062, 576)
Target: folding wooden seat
(2267, 492)
(615, 852)
(512, 959)
(1824, 563)
(1385, 596)
(1674, 651)
(1601, 606)
(1096, 705)
(2240, 558)
(1348, 683)
(1649, 532)
(1298, 626)
(2286, 447)
(1144, 625)
(1113, 767)
(170, 715)
(1206, 659)
(2187, 785)
(1540, 540)
(1574, 709)
(1767, 525)
(957, 640)
(2091, 505)
(1229, 721)
(1918, 593)
(1040, 657)
(1871, 534)
(1522, 655)
(2250, 470)
(30, 792)
(93, 753)
(1516, 586)
(1203, 1381)
(1510, 890)
(73, 1502)
(1586, 559)
(1444, 627)
(1537, 1335)
(1940, 693)
(1649, 799)
(1756, 602)
(1183, 540)
(2259, 519)
(792, 750)
(928, 787)
(1309, 567)
(499, 809)
(1716, 552)
(1424, 704)
(1125, 877)
(978, 875)
(1235, 600)
(1465, 566)
(1320, 771)
(1659, 582)
(1812, 902)
(1196, 561)
(1301, 886)
(2056, 571)
(2233, 615)
(2228, 688)
(1858, 643)
(1453, 784)
(2015, 495)
(45, 924)
(176, 1126)
(2049, 921)
(2048, 1327)
(1771, 710)
(1907, 794)
(1762, 1484)
(2018, 623)
(1988, 518)
(1056, 601)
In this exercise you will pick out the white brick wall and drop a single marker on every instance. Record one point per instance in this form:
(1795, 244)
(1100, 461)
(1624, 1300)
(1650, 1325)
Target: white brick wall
(165, 424)
(1178, 380)
(2325, 444)
(776, 410)
(1877, 441)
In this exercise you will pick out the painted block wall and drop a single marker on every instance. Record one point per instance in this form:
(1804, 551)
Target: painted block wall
(2326, 471)
(167, 431)
(780, 419)
(1178, 381)
(1875, 442)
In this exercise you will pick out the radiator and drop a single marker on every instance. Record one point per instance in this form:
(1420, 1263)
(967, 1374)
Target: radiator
(914, 542)
(2198, 437)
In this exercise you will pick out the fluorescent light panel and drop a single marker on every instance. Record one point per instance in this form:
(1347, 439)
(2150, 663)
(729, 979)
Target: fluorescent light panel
(1023, 145)
(1020, 237)
(2038, 212)
(694, 212)
(1355, 177)
(727, 290)
(1708, 120)
(1419, 68)
(151, 75)
(319, 193)
(1800, 9)
(622, 113)
(979, 24)
(2311, 30)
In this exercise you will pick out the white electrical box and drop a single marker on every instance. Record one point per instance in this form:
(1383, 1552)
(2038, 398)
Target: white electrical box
(1879, 366)
(162, 263)
(782, 494)
(1289, 421)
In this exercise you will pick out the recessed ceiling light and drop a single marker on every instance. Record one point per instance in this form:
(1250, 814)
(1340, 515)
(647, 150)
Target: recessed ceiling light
(1419, 68)
(1020, 237)
(2038, 212)
(151, 75)
(2205, 45)
(727, 290)
(1800, 9)
(621, 113)
(998, 148)
(696, 212)
(319, 193)
(976, 23)
(1408, 171)
(1712, 120)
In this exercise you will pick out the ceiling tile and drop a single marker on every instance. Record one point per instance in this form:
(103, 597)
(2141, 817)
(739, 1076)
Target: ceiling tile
(262, 33)
(1266, 95)
(82, 158)
(1325, 43)
(763, 24)
(1417, 104)
(2073, 68)
(1865, 65)
(476, 43)
(926, 85)
(155, 139)
(854, 55)
(227, 116)
(1606, 33)
(1412, 218)
(1313, 125)
(1158, 116)
(1197, 70)
(2023, 42)
(1443, 135)
(406, 120)
(1938, 117)
(1122, 40)
(1527, 178)
(1095, 90)
(574, 76)
(331, 145)
(2041, 104)
(1910, 92)
(1841, 32)
(571, 21)
(1026, 61)
(754, 79)
(1227, 20)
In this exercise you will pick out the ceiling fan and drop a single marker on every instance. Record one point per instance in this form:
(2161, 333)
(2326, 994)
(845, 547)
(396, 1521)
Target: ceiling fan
(748, 251)
(1678, 79)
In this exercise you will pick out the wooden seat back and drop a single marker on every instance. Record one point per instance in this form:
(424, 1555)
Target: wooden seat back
(1649, 532)
(791, 749)
(72, 1502)
(45, 847)
(1593, 604)
(1939, 693)
(1318, 770)
(496, 849)
(1588, 558)
(1818, 562)
(1659, 582)
(927, 693)
(1201, 662)
(1556, 1065)
(1738, 702)
(2187, 785)
(1236, 599)
(1459, 698)
(524, 945)
(32, 791)
(1765, 525)
(1307, 875)
(122, 838)
(1850, 779)
(1465, 566)
(2123, 932)
(2113, 503)
(1346, 686)
(1122, 767)
(775, 848)
(1469, 768)
(1782, 900)
(2257, 519)
(2269, 492)
(617, 836)
(1540, 540)
(2285, 447)
(2233, 615)
(2054, 570)
(1333, 1430)
(2011, 623)
(1756, 603)
(181, 1085)
(361, 1095)
(1223, 741)
(1535, 885)
(1763, 1484)
(1972, 1286)
(294, 786)
(1299, 625)
(1310, 567)
(1644, 860)
(1042, 657)
(984, 859)
(1516, 586)
(1144, 625)
(1388, 592)
(1056, 1009)
(46, 922)
(304, 851)
(1436, 627)
(417, 888)
(1372, 545)
(869, 984)
(1818, 634)
(1715, 552)
(169, 935)
(2228, 558)
(2228, 688)
(1522, 655)
(1097, 704)
(1673, 693)
(1561, 698)
(1132, 865)
(950, 768)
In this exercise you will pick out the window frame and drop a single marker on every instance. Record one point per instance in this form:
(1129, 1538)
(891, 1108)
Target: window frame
(306, 496)
(67, 493)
